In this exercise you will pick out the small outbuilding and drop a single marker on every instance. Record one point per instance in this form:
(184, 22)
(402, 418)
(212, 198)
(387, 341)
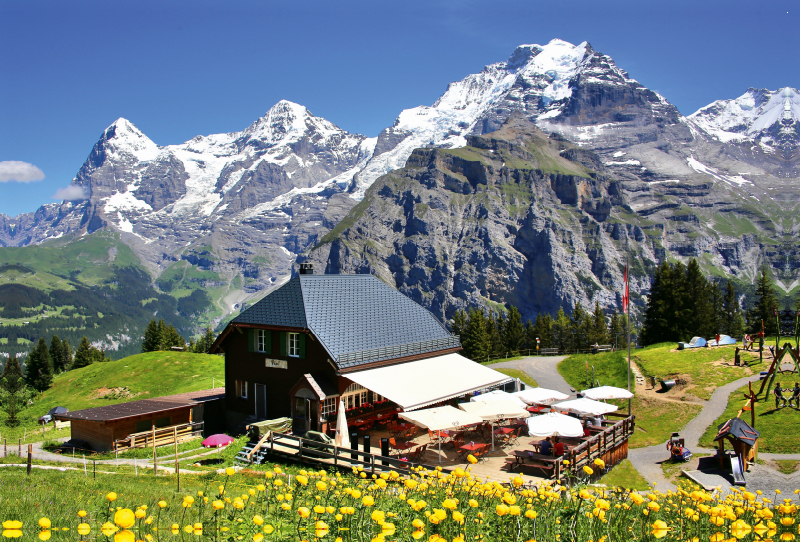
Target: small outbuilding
(137, 423)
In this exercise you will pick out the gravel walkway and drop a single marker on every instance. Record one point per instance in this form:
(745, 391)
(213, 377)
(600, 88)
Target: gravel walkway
(540, 368)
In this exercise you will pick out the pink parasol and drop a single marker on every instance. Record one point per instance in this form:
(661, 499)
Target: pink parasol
(217, 441)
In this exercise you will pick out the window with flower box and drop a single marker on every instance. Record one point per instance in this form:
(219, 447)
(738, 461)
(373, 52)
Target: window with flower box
(329, 405)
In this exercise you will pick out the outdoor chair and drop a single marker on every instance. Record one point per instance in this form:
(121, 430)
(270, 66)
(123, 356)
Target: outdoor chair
(480, 453)
(367, 426)
(417, 453)
(513, 438)
(457, 441)
(433, 435)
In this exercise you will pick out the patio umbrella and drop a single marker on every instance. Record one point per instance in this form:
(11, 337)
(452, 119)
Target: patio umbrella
(217, 441)
(607, 392)
(541, 396)
(586, 407)
(438, 418)
(342, 433)
(57, 410)
(554, 424)
(497, 395)
(496, 410)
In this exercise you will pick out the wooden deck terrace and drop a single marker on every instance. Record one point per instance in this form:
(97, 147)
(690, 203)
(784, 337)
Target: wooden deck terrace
(609, 444)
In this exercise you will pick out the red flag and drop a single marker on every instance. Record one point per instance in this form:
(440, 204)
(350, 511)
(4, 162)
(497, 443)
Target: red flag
(626, 295)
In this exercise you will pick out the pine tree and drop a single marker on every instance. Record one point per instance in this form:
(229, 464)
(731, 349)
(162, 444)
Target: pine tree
(563, 338)
(494, 327)
(616, 330)
(762, 308)
(599, 331)
(529, 341)
(14, 395)
(39, 367)
(57, 355)
(152, 337)
(661, 308)
(12, 367)
(476, 341)
(543, 328)
(716, 324)
(83, 355)
(66, 351)
(458, 325)
(209, 340)
(513, 331)
(580, 325)
(172, 338)
(697, 303)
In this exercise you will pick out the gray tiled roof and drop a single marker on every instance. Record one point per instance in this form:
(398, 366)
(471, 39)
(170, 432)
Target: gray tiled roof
(281, 307)
(357, 318)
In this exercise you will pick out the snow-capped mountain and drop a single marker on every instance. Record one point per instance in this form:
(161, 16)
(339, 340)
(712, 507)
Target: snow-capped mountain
(239, 207)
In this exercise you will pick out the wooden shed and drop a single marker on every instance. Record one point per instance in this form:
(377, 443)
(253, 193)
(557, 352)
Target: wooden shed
(138, 423)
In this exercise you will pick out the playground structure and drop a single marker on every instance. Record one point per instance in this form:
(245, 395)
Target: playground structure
(677, 449)
(744, 440)
(696, 342)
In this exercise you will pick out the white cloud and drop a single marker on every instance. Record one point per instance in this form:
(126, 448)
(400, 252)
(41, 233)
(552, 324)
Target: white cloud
(22, 172)
(71, 193)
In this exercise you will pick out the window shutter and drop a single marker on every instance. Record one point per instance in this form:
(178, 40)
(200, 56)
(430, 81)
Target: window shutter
(268, 341)
(302, 345)
(251, 340)
(283, 343)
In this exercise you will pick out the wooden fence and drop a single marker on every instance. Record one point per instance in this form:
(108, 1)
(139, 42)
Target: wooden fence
(326, 455)
(161, 436)
(610, 445)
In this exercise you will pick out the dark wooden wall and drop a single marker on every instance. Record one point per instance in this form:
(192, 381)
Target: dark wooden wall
(241, 364)
(101, 435)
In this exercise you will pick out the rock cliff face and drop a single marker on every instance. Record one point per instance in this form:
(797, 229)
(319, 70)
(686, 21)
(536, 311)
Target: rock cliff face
(539, 217)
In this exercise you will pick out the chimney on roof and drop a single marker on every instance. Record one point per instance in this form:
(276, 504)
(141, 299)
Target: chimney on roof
(306, 268)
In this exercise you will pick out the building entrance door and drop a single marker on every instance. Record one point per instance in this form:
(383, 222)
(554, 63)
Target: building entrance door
(261, 402)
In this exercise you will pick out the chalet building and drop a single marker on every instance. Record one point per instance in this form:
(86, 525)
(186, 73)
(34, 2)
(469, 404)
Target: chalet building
(319, 338)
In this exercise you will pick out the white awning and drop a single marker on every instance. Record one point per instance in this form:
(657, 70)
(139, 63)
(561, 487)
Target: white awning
(425, 382)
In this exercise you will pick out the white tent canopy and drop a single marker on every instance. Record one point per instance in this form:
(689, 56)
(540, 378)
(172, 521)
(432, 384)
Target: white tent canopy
(443, 417)
(586, 407)
(498, 395)
(540, 396)
(554, 424)
(607, 392)
(496, 410)
(417, 384)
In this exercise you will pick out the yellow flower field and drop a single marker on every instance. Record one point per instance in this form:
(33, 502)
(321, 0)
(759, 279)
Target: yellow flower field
(428, 505)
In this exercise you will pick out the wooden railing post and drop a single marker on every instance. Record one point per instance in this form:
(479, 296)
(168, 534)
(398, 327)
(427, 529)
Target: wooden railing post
(155, 458)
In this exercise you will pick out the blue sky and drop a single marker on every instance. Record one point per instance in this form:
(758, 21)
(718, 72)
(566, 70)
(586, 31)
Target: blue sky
(177, 69)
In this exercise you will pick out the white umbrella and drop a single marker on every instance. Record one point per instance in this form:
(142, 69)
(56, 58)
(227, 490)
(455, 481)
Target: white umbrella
(497, 395)
(586, 406)
(541, 396)
(497, 410)
(438, 418)
(342, 438)
(554, 424)
(607, 392)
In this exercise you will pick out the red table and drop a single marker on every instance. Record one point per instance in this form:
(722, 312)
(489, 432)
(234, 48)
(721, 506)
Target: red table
(467, 449)
(503, 430)
(404, 445)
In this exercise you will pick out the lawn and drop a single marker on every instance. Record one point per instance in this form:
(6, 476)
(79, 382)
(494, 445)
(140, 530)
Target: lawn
(142, 376)
(702, 369)
(656, 419)
(522, 375)
(777, 427)
(626, 476)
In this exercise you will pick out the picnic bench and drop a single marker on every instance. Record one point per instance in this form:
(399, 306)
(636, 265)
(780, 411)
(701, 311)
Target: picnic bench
(601, 348)
(548, 351)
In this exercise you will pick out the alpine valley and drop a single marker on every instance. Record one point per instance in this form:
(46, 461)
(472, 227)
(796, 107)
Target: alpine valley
(528, 183)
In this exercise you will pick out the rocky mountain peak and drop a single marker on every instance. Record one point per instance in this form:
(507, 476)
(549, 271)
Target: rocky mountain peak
(770, 116)
(122, 136)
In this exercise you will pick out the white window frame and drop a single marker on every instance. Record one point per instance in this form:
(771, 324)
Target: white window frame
(293, 345)
(354, 396)
(261, 340)
(241, 389)
(329, 405)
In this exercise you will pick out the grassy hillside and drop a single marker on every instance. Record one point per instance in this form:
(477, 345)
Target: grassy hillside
(141, 376)
(94, 286)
